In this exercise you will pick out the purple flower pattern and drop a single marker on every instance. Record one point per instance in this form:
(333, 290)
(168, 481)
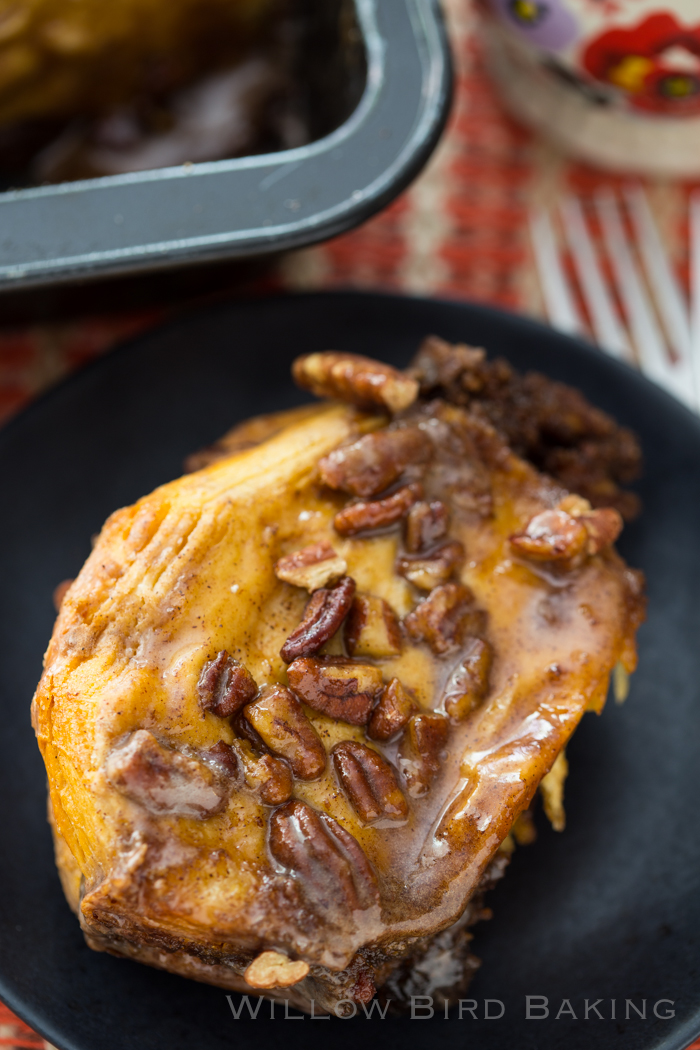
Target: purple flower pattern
(549, 24)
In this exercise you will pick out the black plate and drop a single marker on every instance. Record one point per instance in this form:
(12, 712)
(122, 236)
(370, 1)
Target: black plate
(608, 910)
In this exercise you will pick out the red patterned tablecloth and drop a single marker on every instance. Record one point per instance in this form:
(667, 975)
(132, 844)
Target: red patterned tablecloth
(461, 230)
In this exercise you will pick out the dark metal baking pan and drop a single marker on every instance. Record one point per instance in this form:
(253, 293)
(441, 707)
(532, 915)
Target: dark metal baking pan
(254, 205)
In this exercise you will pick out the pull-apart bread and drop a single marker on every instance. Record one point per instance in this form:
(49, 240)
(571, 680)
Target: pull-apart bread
(296, 700)
(59, 58)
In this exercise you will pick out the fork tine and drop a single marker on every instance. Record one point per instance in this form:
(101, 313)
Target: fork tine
(559, 303)
(645, 330)
(695, 284)
(608, 331)
(666, 289)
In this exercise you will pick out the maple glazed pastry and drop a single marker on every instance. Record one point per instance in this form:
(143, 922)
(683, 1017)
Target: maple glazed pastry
(297, 700)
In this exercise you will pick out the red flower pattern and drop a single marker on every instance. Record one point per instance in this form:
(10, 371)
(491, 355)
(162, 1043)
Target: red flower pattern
(639, 60)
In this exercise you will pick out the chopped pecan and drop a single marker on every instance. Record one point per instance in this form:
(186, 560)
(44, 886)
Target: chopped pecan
(603, 527)
(426, 523)
(329, 862)
(274, 970)
(338, 687)
(440, 364)
(368, 466)
(395, 707)
(225, 758)
(371, 628)
(225, 686)
(377, 514)
(275, 780)
(323, 615)
(279, 718)
(311, 567)
(428, 570)
(468, 684)
(443, 618)
(271, 777)
(421, 749)
(369, 782)
(573, 529)
(357, 379)
(162, 780)
(244, 731)
(552, 535)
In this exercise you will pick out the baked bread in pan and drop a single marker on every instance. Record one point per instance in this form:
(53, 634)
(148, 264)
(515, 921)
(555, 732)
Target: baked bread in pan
(62, 59)
(296, 700)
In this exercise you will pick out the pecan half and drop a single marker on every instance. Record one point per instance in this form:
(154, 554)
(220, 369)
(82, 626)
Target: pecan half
(468, 684)
(428, 570)
(279, 718)
(270, 777)
(274, 970)
(443, 618)
(323, 615)
(162, 780)
(603, 527)
(311, 567)
(426, 523)
(364, 989)
(552, 535)
(225, 686)
(395, 707)
(421, 750)
(368, 466)
(371, 628)
(357, 379)
(328, 861)
(369, 782)
(378, 514)
(338, 687)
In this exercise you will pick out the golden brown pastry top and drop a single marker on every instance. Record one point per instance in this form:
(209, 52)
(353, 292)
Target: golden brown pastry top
(222, 780)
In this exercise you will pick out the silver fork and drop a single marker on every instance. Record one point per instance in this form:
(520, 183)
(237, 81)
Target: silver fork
(656, 329)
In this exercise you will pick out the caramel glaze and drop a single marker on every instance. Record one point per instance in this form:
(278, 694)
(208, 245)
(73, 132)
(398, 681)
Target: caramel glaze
(188, 571)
